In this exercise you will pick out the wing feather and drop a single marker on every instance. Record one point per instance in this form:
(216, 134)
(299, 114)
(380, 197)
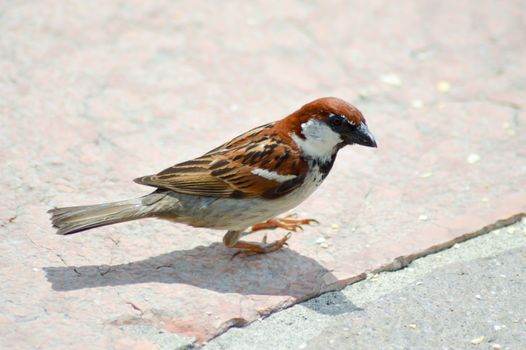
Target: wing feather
(228, 171)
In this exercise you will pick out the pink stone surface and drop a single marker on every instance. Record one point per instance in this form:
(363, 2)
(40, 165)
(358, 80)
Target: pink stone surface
(94, 94)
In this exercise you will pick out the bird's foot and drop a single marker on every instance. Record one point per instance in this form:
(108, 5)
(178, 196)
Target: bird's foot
(287, 223)
(253, 248)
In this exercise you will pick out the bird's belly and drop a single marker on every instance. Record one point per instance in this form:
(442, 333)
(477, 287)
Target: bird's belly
(236, 214)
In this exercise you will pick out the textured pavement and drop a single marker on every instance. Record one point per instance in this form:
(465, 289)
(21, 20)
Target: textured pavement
(470, 296)
(94, 94)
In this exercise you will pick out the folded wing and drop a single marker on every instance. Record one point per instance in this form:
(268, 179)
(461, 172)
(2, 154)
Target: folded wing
(246, 167)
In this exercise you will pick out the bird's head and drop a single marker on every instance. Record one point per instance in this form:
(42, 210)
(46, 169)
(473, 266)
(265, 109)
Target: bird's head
(323, 126)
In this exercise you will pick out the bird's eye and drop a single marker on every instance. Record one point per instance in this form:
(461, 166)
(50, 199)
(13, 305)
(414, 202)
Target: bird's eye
(336, 120)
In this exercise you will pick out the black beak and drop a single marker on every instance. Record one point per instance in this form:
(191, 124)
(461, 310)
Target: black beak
(361, 136)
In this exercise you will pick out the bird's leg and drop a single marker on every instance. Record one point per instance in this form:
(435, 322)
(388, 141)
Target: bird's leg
(253, 248)
(287, 223)
(231, 240)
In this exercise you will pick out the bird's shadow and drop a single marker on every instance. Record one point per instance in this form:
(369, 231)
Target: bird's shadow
(284, 272)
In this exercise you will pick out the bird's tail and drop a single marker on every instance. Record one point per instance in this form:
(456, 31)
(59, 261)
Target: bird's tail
(76, 219)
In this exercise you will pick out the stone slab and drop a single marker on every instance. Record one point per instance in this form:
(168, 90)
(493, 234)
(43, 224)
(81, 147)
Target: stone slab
(97, 93)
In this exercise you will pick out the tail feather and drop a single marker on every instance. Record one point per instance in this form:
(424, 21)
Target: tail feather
(75, 219)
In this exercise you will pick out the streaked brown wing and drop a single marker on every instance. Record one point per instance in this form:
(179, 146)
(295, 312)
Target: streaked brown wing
(250, 136)
(233, 172)
(191, 177)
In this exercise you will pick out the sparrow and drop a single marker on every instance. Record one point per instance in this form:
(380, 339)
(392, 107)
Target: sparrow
(242, 184)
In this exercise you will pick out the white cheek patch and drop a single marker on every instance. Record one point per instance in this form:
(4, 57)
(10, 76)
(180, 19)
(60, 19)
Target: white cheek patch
(320, 140)
(272, 175)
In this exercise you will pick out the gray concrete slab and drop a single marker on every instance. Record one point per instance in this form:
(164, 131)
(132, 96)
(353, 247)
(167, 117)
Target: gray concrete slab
(469, 296)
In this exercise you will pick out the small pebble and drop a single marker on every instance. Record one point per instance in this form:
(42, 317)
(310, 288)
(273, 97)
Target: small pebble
(363, 94)
(320, 240)
(511, 229)
(375, 276)
(426, 175)
(412, 326)
(478, 341)
(443, 87)
(422, 217)
(496, 347)
(473, 158)
(392, 80)
(417, 104)
(324, 245)
(335, 226)
(478, 297)
(419, 283)
(302, 346)
(423, 53)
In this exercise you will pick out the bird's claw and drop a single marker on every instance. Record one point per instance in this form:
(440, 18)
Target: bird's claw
(260, 248)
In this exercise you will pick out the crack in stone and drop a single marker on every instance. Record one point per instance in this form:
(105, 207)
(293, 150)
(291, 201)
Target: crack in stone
(66, 264)
(509, 104)
(500, 103)
(104, 273)
(115, 241)
(62, 259)
(167, 266)
(368, 193)
(132, 304)
(37, 244)
(135, 307)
